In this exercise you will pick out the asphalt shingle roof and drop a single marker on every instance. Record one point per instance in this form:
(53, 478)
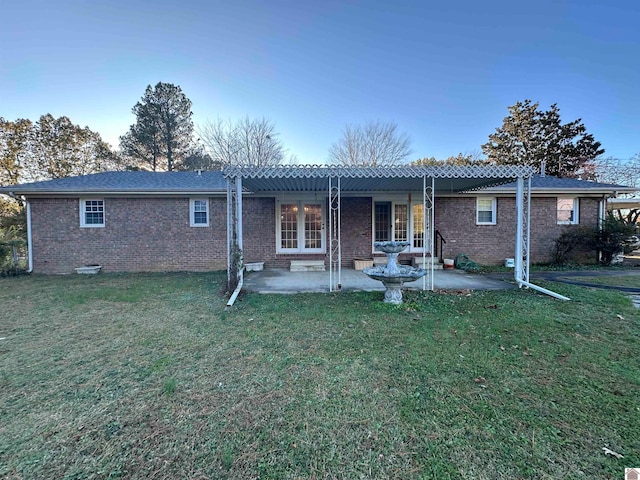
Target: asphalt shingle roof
(547, 182)
(128, 182)
(215, 182)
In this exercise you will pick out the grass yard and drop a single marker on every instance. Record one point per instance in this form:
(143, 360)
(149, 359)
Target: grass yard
(147, 376)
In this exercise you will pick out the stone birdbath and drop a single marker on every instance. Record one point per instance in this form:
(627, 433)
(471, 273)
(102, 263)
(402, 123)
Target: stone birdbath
(392, 275)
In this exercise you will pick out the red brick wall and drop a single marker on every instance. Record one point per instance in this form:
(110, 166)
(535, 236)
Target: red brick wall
(140, 234)
(491, 244)
(259, 232)
(153, 234)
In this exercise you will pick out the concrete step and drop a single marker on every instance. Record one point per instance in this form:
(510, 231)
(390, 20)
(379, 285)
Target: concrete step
(307, 266)
(417, 262)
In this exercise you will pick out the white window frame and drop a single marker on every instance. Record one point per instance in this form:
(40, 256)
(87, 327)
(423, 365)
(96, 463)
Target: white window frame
(576, 211)
(192, 212)
(83, 212)
(494, 210)
(300, 202)
(410, 222)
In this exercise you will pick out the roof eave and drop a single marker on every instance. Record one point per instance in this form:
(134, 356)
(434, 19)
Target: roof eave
(563, 191)
(137, 193)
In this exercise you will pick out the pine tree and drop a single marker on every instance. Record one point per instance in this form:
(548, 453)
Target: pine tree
(529, 136)
(162, 134)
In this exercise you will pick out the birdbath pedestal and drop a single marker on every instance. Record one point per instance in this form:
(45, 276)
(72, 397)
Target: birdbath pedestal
(392, 275)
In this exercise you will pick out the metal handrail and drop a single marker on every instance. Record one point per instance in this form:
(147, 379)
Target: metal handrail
(438, 251)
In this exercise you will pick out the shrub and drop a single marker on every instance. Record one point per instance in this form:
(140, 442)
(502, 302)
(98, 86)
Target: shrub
(575, 238)
(611, 239)
(12, 249)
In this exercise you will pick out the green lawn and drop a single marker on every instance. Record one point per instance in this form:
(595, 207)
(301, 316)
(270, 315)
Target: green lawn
(147, 376)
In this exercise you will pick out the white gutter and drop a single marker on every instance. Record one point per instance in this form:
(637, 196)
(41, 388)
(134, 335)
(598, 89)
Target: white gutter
(29, 243)
(236, 292)
(119, 193)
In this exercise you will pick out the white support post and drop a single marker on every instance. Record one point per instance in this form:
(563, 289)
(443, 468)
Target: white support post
(230, 228)
(424, 230)
(234, 231)
(432, 228)
(335, 248)
(523, 238)
(428, 224)
(519, 230)
(527, 237)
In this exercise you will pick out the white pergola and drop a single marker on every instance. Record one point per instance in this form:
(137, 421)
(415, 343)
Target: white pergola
(337, 181)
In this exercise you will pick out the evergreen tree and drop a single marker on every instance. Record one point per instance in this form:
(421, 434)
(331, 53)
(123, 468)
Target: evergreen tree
(162, 134)
(529, 136)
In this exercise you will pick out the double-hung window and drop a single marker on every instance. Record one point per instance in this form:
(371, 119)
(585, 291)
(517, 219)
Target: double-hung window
(300, 226)
(199, 212)
(486, 210)
(91, 213)
(567, 210)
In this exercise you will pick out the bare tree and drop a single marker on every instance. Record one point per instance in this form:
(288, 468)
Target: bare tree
(248, 142)
(621, 172)
(372, 144)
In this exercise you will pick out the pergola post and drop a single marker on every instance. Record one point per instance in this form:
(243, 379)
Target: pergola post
(335, 250)
(234, 231)
(427, 223)
(523, 231)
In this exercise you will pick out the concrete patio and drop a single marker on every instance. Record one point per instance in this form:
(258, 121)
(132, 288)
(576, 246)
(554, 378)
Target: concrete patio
(277, 280)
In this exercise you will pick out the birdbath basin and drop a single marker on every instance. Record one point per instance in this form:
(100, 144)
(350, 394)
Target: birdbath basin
(392, 275)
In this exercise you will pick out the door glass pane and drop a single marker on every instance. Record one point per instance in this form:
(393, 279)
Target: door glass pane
(312, 226)
(382, 222)
(289, 226)
(401, 223)
(418, 226)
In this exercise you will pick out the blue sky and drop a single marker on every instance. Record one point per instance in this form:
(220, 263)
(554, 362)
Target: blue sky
(445, 72)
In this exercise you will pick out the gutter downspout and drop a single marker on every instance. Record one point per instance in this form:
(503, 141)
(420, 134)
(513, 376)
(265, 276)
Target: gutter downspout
(236, 292)
(522, 283)
(602, 208)
(29, 242)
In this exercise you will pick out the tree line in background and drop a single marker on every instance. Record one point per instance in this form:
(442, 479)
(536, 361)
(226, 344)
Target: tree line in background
(50, 148)
(164, 137)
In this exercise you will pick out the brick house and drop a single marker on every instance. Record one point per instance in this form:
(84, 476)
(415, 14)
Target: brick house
(170, 221)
